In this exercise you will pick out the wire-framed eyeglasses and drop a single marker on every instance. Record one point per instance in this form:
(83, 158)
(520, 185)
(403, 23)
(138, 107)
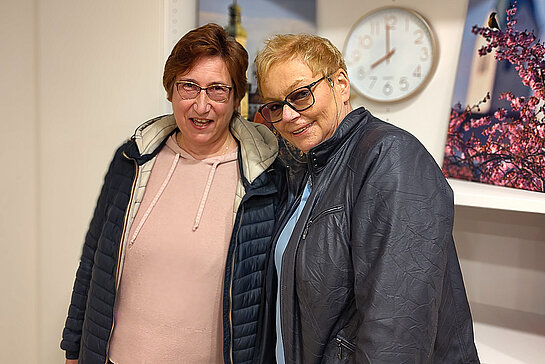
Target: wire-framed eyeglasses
(189, 90)
(299, 99)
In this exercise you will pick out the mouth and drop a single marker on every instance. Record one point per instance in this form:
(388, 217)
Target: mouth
(304, 128)
(200, 122)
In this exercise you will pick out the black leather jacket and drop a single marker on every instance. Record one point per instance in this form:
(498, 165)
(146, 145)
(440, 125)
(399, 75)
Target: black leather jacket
(370, 274)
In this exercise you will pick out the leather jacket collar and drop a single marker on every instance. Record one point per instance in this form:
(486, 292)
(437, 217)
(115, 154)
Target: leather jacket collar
(319, 155)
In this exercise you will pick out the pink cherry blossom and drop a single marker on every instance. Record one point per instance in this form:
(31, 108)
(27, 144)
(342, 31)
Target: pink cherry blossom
(506, 148)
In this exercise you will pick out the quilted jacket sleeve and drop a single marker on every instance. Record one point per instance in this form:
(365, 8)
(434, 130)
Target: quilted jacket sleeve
(71, 335)
(402, 248)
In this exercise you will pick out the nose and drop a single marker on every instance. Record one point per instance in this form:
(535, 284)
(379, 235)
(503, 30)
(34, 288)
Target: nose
(202, 104)
(289, 114)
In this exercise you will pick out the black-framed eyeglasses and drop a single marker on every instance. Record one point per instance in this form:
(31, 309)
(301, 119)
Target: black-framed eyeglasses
(189, 90)
(299, 99)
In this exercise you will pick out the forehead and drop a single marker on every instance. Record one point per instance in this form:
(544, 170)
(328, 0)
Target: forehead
(208, 70)
(284, 77)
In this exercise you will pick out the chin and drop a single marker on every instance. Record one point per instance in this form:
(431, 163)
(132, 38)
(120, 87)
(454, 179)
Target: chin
(304, 149)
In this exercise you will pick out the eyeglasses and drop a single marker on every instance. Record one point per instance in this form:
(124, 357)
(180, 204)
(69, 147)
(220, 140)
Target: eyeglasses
(299, 99)
(190, 90)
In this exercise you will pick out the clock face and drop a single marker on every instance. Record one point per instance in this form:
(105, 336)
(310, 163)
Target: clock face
(390, 54)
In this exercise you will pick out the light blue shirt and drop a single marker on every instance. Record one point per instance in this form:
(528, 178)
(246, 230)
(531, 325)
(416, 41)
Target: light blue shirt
(278, 253)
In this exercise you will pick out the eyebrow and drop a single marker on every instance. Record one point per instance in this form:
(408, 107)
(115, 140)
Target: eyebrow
(300, 82)
(195, 81)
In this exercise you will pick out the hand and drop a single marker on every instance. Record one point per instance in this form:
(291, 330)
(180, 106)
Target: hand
(386, 57)
(71, 361)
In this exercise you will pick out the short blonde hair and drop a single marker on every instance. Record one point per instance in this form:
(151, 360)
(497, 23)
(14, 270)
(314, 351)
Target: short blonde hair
(318, 53)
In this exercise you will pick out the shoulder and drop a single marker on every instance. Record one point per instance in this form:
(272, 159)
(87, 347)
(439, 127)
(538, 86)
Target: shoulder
(378, 134)
(258, 147)
(253, 134)
(388, 157)
(379, 140)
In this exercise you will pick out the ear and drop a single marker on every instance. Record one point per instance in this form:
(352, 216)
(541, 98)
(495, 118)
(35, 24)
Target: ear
(343, 85)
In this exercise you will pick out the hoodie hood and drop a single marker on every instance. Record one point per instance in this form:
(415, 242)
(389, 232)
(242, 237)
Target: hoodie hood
(258, 145)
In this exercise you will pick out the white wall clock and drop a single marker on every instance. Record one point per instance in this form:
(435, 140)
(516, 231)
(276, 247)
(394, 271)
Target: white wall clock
(391, 54)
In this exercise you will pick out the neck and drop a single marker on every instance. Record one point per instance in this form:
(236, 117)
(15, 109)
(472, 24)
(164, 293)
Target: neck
(345, 110)
(219, 148)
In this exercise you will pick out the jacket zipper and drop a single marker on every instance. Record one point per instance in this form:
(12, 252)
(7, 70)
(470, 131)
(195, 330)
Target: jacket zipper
(342, 343)
(231, 285)
(325, 212)
(117, 272)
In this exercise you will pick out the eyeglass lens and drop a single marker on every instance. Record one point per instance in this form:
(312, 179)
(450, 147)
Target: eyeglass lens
(299, 100)
(190, 90)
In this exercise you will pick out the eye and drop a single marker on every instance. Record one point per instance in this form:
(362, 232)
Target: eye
(219, 88)
(188, 86)
(275, 106)
(299, 95)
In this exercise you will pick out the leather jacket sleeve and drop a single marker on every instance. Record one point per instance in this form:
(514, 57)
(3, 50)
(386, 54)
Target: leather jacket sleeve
(401, 242)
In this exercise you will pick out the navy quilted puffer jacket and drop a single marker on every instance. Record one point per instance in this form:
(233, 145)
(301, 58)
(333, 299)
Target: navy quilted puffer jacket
(90, 317)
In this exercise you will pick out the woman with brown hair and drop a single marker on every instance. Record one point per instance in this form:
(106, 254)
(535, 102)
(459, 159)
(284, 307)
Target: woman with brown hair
(173, 262)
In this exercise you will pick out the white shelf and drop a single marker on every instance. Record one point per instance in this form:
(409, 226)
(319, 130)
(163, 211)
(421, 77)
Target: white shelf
(505, 336)
(476, 194)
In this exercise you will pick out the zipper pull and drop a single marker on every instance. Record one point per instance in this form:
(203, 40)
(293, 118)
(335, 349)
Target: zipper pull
(305, 231)
(339, 349)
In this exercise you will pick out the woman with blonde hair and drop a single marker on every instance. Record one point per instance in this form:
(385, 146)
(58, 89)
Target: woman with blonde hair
(364, 267)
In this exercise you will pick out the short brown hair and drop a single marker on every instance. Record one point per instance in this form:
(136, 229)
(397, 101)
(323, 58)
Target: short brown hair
(318, 53)
(207, 41)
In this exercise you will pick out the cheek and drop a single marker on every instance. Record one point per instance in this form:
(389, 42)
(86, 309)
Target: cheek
(180, 106)
(224, 112)
(281, 130)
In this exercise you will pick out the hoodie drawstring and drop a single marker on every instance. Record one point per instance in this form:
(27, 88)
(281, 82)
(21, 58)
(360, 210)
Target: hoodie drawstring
(155, 199)
(161, 190)
(205, 195)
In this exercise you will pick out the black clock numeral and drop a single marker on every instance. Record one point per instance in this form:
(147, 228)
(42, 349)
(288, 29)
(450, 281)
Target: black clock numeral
(403, 84)
(387, 89)
(361, 73)
(375, 27)
(356, 55)
(373, 81)
(424, 54)
(365, 41)
(417, 72)
(419, 34)
(391, 21)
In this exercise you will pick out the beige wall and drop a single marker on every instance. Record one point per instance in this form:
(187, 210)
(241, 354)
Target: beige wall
(19, 263)
(78, 77)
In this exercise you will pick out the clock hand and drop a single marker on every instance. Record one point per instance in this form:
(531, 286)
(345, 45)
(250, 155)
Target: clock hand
(383, 58)
(387, 42)
(387, 38)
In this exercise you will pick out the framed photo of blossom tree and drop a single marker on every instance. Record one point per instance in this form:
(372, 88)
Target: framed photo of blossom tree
(496, 131)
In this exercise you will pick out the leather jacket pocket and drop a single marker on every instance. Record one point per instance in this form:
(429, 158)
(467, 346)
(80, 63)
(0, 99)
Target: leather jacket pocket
(312, 220)
(344, 347)
(339, 350)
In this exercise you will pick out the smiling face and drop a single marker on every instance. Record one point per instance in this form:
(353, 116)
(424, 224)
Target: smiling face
(203, 123)
(308, 128)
